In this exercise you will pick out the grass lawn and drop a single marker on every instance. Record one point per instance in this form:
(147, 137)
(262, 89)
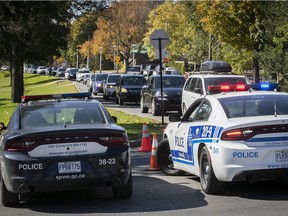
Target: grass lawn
(40, 84)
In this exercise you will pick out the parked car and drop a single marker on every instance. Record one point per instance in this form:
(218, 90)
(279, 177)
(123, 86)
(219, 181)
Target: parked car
(128, 88)
(81, 73)
(109, 86)
(58, 145)
(172, 92)
(171, 71)
(133, 70)
(232, 134)
(41, 70)
(54, 71)
(90, 81)
(98, 83)
(196, 85)
(4, 68)
(60, 72)
(70, 73)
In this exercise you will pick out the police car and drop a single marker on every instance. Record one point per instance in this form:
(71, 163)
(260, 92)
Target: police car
(228, 136)
(211, 73)
(62, 142)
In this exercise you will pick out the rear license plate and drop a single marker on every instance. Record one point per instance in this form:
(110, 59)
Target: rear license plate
(69, 167)
(281, 155)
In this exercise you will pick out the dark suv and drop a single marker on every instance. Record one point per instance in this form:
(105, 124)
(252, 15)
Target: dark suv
(172, 91)
(128, 88)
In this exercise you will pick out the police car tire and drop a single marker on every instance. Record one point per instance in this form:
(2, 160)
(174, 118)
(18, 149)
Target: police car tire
(165, 164)
(209, 183)
(8, 199)
(125, 191)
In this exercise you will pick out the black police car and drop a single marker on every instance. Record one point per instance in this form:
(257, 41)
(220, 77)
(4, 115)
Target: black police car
(63, 144)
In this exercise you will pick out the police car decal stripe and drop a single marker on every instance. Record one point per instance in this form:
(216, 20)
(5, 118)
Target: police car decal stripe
(196, 135)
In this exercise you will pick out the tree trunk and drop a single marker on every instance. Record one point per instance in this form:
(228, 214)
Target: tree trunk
(17, 88)
(256, 70)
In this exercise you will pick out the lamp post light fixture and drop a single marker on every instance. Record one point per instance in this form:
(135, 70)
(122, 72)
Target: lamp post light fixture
(100, 65)
(114, 47)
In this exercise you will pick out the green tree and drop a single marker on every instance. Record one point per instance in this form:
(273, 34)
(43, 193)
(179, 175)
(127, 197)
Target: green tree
(240, 24)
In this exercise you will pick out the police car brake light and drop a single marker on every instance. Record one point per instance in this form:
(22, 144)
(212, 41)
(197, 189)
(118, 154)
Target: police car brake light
(26, 98)
(237, 134)
(227, 88)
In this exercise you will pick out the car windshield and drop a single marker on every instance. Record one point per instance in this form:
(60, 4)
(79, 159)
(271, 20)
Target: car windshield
(101, 77)
(61, 114)
(113, 78)
(134, 81)
(170, 82)
(255, 105)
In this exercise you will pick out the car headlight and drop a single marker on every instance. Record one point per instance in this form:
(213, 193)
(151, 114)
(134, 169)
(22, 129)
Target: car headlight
(99, 84)
(124, 90)
(158, 95)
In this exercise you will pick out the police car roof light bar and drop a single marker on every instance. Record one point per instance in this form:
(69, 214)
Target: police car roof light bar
(26, 98)
(214, 89)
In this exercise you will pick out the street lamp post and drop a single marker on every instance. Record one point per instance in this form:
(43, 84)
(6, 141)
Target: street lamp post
(133, 54)
(77, 58)
(114, 48)
(100, 66)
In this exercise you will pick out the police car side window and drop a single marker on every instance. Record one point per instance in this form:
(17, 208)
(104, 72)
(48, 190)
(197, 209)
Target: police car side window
(192, 84)
(203, 112)
(187, 84)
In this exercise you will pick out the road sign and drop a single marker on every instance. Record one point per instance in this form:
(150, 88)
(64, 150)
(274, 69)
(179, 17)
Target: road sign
(165, 60)
(159, 35)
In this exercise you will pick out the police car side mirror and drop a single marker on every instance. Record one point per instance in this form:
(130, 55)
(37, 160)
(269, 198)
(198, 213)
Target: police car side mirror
(114, 118)
(174, 117)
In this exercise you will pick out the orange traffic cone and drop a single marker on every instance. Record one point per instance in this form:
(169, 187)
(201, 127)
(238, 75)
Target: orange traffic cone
(146, 145)
(153, 162)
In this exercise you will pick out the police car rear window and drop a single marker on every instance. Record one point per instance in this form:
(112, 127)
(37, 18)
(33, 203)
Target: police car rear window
(247, 106)
(72, 114)
(226, 80)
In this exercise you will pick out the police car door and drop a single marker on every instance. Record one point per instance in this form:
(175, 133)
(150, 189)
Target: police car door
(189, 133)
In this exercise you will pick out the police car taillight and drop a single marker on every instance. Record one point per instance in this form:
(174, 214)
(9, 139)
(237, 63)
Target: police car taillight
(26, 98)
(237, 134)
(114, 139)
(226, 88)
(19, 146)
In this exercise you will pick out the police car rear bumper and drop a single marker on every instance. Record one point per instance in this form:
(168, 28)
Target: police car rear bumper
(22, 174)
(261, 175)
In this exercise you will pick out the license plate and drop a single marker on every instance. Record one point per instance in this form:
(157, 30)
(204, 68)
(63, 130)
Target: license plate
(69, 167)
(281, 155)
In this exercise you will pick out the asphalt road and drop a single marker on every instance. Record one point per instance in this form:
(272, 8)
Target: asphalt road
(156, 194)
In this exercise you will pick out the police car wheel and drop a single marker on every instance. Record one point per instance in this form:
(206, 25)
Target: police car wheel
(125, 191)
(209, 182)
(8, 199)
(163, 157)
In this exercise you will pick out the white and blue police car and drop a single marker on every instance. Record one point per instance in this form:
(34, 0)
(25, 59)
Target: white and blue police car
(238, 135)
